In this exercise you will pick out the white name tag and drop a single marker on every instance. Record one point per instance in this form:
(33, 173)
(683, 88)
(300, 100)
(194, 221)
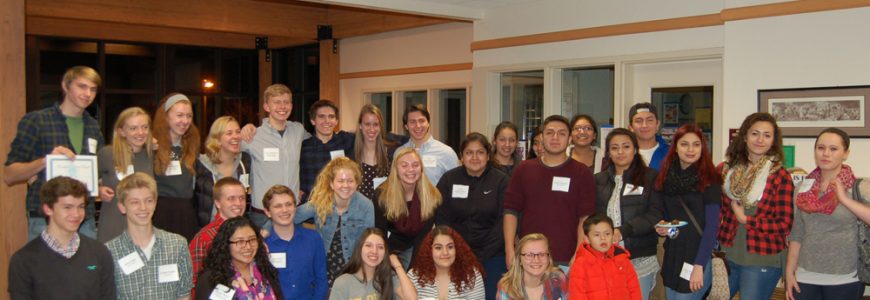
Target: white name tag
(271, 154)
(430, 161)
(131, 263)
(129, 172)
(630, 189)
(686, 272)
(167, 273)
(806, 185)
(336, 154)
(245, 179)
(222, 292)
(377, 181)
(460, 191)
(279, 260)
(92, 145)
(561, 184)
(174, 168)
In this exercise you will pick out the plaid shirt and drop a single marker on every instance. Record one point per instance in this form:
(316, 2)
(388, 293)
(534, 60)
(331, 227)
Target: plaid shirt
(315, 155)
(202, 242)
(169, 249)
(767, 231)
(66, 250)
(38, 133)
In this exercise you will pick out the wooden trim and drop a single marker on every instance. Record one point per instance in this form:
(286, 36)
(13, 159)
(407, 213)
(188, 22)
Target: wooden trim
(731, 14)
(406, 71)
(789, 8)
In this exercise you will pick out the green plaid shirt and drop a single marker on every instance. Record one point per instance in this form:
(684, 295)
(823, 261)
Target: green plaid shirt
(38, 133)
(169, 249)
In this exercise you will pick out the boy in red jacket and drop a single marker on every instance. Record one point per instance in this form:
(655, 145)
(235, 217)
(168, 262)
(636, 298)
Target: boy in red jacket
(602, 270)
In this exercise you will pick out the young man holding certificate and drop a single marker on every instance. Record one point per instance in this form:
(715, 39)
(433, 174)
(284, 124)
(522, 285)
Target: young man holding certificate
(64, 129)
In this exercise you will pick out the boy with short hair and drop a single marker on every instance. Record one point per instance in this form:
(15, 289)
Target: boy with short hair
(60, 263)
(438, 158)
(65, 129)
(229, 199)
(602, 270)
(274, 149)
(643, 120)
(325, 145)
(150, 263)
(297, 252)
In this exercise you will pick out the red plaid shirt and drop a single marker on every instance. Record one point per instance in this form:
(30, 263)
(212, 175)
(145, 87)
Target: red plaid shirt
(767, 231)
(201, 243)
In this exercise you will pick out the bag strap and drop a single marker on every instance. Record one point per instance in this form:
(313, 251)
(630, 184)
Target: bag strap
(856, 191)
(691, 215)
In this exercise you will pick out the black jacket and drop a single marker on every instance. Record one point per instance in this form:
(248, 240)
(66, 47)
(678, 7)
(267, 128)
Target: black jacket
(204, 189)
(478, 217)
(638, 215)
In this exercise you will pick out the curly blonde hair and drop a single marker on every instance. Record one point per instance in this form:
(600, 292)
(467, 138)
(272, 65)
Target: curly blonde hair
(322, 196)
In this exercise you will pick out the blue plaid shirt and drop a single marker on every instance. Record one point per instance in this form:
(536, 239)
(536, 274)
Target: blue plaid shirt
(38, 133)
(316, 154)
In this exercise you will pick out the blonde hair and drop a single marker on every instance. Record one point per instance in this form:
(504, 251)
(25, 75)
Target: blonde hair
(392, 196)
(212, 141)
(381, 154)
(322, 196)
(512, 281)
(122, 153)
(136, 181)
(189, 142)
(84, 72)
(276, 90)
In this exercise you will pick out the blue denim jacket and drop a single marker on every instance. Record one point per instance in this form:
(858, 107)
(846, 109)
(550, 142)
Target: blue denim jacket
(359, 216)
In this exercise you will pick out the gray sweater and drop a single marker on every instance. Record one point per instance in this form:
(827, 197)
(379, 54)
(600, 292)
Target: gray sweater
(829, 243)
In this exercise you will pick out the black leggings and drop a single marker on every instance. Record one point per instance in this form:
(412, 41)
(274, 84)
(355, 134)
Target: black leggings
(847, 291)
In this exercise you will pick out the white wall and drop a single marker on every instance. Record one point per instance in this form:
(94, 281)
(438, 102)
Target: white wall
(805, 50)
(418, 47)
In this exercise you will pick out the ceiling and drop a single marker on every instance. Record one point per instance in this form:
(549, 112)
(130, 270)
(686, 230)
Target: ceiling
(236, 23)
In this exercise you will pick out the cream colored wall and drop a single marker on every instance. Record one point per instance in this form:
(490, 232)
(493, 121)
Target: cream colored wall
(418, 47)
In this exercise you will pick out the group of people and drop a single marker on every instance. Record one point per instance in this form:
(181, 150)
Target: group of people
(274, 212)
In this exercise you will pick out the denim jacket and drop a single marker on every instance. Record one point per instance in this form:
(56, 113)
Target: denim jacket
(359, 216)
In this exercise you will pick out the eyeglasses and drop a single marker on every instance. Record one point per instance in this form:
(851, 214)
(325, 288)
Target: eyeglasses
(583, 128)
(243, 243)
(531, 256)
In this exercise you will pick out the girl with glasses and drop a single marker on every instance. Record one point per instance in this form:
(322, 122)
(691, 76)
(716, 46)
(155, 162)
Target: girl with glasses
(532, 275)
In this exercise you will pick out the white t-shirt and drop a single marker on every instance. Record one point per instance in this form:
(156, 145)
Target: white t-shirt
(648, 153)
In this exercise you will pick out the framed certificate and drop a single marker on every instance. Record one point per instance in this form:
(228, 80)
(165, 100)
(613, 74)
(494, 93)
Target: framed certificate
(83, 168)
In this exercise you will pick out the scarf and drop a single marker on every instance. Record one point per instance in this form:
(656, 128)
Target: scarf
(259, 289)
(679, 181)
(745, 182)
(817, 201)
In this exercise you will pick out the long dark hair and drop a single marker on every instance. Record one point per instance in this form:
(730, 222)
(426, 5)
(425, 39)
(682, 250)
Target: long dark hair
(592, 123)
(219, 260)
(707, 174)
(738, 154)
(638, 166)
(506, 125)
(383, 277)
(461, 272)
(530, 151)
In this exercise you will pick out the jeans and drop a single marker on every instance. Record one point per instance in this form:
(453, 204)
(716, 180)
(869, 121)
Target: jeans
(708, 280)
(35, 226)
(753, 282)
(494, 268)
(848, 291)
(405, 257)
(647, 283)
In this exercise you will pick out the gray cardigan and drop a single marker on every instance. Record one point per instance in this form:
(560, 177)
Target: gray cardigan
(828, 242)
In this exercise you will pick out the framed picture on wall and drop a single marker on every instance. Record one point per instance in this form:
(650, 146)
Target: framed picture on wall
(671, 113)
(804, 112)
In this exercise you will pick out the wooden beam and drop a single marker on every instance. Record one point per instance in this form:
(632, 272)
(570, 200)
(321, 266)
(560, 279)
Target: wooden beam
(136, 33)
(265, 76)
(406, 71)
(789, 8)
(329, 68)
(236, 16)
(349, 22)
(12, 108)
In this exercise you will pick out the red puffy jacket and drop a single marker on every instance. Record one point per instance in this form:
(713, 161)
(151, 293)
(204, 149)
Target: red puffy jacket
(596, 275)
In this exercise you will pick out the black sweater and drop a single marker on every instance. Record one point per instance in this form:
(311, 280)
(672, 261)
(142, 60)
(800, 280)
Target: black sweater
(639, 215)
(477, 217)
(37, 272)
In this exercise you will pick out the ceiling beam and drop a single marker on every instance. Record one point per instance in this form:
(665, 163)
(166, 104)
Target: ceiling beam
(414, 7)
(349, 22)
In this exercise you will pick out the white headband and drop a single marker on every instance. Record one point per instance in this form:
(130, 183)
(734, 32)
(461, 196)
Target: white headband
(174, 99)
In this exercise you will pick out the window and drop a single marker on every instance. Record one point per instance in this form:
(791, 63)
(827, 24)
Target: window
(588, 91)
(523, 100)
(685, 105)
(450, 117)
(384, 101)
